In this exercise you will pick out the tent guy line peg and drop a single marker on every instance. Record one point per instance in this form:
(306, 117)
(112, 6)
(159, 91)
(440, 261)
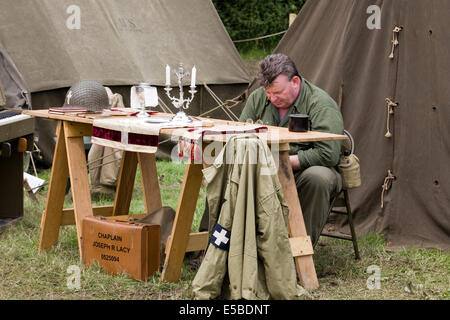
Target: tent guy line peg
(390, 110)
(395, 41)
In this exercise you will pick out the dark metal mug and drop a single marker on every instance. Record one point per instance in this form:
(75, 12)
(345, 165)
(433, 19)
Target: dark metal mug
(299, 123)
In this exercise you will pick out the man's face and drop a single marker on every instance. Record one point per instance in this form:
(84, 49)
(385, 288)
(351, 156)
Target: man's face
(283, 92)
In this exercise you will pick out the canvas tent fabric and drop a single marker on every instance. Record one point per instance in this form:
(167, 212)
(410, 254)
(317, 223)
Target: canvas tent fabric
(119, 44)
(333, 47)
(13, 90)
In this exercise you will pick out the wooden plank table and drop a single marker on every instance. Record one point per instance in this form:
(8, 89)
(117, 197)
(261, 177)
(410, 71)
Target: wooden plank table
(69, 161)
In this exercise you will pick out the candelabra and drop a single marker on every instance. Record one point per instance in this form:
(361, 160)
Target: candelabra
(181, 103)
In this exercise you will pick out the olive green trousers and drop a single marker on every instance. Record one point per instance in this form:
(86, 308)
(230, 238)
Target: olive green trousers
(316, 186)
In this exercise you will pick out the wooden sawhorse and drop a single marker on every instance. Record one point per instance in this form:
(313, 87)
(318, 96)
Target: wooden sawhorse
(69, 161)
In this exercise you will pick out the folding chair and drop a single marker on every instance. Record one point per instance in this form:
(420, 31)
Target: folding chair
(341, 200)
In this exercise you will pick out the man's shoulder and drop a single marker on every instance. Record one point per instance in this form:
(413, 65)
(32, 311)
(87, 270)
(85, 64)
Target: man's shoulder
(257, 98)
(254, 106)
(258, 93)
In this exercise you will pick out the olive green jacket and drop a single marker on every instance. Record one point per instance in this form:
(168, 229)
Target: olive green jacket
(244, 196)
(325, 117)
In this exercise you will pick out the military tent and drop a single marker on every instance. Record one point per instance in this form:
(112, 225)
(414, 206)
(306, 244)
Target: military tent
(387, 64)
(14, 93)
(56, 43)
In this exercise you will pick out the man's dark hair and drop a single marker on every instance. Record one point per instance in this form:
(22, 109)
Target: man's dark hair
(272, 66)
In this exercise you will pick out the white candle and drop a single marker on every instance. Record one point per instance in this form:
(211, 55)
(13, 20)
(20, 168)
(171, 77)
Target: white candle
(194, 72)
(167, 75)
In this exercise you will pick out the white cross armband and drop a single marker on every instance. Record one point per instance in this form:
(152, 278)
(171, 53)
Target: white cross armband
(221, 237)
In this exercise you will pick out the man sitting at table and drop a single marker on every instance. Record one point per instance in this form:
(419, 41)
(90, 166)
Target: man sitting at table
(283, 92)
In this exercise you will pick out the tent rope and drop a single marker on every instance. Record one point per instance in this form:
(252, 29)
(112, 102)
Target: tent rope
(103, 157)
(395, 41)
(390, 111)
(90, 163)
(103, 164)
(224, 106)
(386, 185)
(164, 107)
(229, 113)
(262, 37)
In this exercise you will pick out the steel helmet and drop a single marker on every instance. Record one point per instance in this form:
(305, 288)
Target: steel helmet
(87, 94)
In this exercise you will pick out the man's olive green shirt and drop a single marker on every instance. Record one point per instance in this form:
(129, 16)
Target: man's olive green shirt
(324, 114)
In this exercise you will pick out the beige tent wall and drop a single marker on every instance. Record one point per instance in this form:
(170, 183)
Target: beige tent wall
(118, 43)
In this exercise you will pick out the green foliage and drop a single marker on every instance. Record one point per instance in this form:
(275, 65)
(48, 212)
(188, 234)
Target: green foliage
(254, 18)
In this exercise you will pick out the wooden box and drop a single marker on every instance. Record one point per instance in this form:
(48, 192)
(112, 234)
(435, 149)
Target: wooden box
(121, 246)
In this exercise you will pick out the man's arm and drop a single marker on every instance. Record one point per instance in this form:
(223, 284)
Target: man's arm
(323, 153)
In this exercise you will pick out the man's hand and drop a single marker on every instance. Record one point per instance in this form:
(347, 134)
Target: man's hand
(295, 163)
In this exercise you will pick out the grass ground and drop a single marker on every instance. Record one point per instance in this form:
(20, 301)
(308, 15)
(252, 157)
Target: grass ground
(25, 274)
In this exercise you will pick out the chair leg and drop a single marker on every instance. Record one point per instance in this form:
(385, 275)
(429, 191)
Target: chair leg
(350, 223)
